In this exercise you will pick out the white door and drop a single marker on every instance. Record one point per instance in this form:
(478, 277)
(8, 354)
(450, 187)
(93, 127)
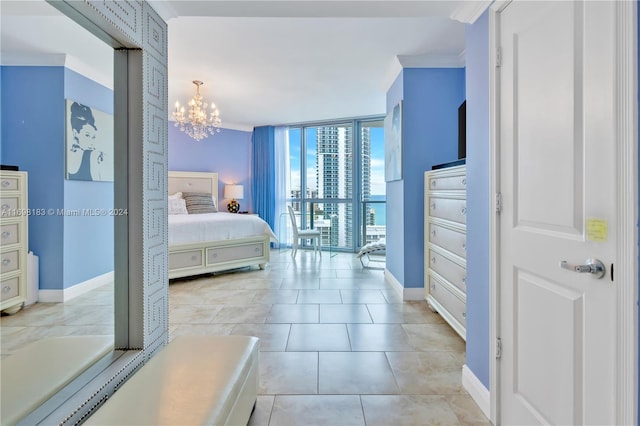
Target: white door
(557, 147)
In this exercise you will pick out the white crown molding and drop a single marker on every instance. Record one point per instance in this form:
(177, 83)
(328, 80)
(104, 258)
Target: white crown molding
(469, 11)
(164, 9)
(32, 59)
(432, 61)
(226, 126)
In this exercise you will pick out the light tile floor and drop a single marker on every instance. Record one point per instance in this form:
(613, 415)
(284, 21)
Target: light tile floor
(338, 345)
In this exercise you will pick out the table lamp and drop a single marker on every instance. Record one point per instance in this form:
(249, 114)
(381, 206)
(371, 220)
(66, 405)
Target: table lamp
(234, 192)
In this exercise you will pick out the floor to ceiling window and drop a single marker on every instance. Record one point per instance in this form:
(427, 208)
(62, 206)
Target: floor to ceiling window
(340, 165)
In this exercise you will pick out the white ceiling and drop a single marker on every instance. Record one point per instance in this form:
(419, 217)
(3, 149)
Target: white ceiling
(263, 62)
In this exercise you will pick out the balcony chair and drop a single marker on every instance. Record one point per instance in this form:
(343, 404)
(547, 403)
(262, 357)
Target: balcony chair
(302, 234)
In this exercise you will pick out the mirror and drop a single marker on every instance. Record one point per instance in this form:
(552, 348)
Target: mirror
(57, 120)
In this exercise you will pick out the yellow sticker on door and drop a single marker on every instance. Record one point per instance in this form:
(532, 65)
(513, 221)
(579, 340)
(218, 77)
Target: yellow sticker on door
(596, 230)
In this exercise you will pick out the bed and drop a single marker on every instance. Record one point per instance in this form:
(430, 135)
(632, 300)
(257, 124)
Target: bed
(212, 242)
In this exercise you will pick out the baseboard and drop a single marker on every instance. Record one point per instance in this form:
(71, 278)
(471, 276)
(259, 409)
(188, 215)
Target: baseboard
(64, 295)
(477, 391)
(404, 293)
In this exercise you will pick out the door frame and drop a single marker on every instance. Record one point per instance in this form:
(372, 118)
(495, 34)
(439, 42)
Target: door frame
(626, 104)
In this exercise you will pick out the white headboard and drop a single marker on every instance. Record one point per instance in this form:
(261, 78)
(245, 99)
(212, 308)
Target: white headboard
(194, 182)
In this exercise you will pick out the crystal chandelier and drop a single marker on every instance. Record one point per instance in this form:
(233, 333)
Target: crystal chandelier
(197, 123)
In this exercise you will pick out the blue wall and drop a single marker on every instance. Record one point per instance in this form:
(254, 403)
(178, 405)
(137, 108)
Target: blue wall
(478, 196)
(33, 139)
(71, 250)
(227, 152)
(431, 97)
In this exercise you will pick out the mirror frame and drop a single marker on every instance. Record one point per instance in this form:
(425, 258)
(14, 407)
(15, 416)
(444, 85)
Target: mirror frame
(139, 38)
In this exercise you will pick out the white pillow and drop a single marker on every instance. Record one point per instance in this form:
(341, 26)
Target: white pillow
(176, 196)
(177, 206)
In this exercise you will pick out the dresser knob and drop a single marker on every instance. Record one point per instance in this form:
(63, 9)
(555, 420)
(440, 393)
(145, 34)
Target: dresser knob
(433, 232)
(463, 211)
(6, 289)
(464, 315)
(214, 255)
(6, 261)
(5, 206)
(464, 280)
(433, 206)
(5, 183)
(433, 259)
(194, 257)
(433, 287)
(6, 234)
(464, 246)
(433, 183)
(464, 181)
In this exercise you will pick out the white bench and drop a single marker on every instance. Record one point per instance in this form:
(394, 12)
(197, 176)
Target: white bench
(34, 373)
(194, 380)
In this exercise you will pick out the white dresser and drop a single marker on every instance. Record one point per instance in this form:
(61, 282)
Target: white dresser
(13, 240)
(445, 240)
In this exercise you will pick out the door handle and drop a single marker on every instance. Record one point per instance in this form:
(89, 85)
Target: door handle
(592, 266)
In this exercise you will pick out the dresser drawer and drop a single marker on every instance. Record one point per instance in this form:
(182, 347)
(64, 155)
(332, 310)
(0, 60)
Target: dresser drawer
(450, 209)
(9, 261)
(451, 302)
(225, 254)
(185, 259)
(454, 241)
(9, 288)
(10, 183)
(9, 234)
(449, 270)
(448, 183)
(9, 203)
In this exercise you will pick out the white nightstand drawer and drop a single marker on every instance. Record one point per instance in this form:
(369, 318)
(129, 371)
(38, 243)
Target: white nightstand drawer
(185, 259)
(10, 183)
(9, 288)
(9, 234)
(449, 270)
(450, 209)
(10, 261)
(452, 303)
(454, 241)
(225, 254)
(448, 183)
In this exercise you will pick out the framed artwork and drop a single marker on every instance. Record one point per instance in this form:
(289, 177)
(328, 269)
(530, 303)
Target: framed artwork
(89, 143)
(393, 144)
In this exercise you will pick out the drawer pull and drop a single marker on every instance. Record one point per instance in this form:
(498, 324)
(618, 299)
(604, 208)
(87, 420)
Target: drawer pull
(464, 280)
(433, 232)
(214, 255)
(194, 257)
(6, 234)
(5, 183)
(433, 259)
(433, 183)
(464, 181)
(464, 315)
(6, 289)
(433, 287)
(463, 211)
(257, 249)
(464, 246)
(5, 206)
(433, 206)
(6, 261)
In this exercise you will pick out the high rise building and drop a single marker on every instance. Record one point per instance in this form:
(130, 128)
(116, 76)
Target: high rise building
(335, 177)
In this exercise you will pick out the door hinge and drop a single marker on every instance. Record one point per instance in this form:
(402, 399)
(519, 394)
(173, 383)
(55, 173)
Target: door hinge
(498, 348)
(498, 202)
(498, 56)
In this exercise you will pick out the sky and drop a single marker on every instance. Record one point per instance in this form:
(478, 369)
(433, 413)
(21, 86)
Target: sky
(377, 158)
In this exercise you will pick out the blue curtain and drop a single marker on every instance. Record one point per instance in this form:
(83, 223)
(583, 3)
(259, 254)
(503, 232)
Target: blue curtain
(263, 173)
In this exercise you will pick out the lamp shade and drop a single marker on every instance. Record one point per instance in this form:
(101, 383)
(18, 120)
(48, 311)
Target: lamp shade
(235, 192)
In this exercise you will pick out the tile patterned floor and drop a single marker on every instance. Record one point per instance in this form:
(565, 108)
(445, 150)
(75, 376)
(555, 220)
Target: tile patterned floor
(338, 345)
